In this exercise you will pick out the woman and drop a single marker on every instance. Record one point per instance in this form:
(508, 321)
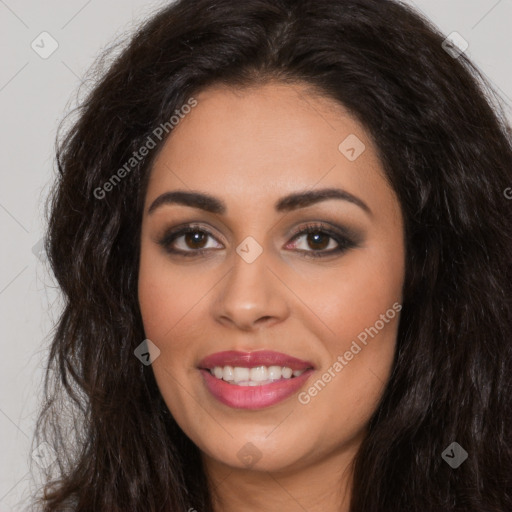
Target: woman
(281, 232)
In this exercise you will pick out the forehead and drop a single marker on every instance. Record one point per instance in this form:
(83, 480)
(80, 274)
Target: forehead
(263, 142)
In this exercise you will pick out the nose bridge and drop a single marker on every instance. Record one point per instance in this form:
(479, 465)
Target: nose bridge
(250, 271)
(251, 292)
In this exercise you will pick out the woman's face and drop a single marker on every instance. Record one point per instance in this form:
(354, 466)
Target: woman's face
(257, 288)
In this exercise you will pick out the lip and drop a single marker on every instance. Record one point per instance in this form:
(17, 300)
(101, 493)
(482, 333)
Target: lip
(253, 359)
(253, 397)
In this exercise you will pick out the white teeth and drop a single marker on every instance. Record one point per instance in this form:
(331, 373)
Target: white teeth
(274, 372)
(258, 375)
(228, 374)
(286, 372)
(240, 374)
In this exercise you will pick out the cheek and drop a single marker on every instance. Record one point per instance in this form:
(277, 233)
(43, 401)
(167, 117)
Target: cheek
(361, 310)
(166, 295)
(351, 298)
(167, 301)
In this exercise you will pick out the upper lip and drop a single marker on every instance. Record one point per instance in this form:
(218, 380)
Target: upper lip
(253, 359)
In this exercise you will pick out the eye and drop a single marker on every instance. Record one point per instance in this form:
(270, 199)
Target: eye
(192, 240)
(193, 243)
(320, 237)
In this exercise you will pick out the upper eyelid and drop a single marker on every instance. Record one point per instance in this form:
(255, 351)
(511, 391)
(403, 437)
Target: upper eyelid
(320, 225)
(302, 230)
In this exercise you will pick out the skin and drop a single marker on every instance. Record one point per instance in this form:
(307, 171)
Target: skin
(250, 147)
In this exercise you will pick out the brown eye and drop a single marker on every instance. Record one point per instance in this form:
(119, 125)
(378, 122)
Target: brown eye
(194, 241)
(319, 241)
(322, 241)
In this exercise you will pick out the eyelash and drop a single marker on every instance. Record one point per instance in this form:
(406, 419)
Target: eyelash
(344, 242)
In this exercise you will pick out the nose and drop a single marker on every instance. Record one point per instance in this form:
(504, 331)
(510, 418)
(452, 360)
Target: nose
(251, 296)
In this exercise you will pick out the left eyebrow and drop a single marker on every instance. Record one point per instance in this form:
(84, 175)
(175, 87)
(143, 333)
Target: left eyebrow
(287, 203)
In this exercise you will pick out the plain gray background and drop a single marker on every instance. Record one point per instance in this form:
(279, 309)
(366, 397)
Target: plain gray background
(35, 93)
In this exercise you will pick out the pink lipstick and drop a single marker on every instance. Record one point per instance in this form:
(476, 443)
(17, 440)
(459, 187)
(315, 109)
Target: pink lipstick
(253, 380)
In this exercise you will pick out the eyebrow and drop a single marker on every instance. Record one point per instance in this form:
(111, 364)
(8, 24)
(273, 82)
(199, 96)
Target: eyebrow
(287, 203)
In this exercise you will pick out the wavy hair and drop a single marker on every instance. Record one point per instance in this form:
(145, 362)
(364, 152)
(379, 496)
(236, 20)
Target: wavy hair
(445, 144)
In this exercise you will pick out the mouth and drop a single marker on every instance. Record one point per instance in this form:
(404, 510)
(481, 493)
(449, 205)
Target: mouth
(256, 376)
(253, 380)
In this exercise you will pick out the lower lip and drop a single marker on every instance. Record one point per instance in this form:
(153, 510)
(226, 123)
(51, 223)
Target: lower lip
(253, 397)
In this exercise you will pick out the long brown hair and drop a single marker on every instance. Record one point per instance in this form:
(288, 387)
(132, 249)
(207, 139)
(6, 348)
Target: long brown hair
(442, 137)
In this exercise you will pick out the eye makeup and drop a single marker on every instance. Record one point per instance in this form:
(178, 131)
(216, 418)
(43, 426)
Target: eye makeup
(315, 233)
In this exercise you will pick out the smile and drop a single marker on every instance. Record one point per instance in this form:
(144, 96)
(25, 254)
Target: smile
(253, 380)
(256, 376)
